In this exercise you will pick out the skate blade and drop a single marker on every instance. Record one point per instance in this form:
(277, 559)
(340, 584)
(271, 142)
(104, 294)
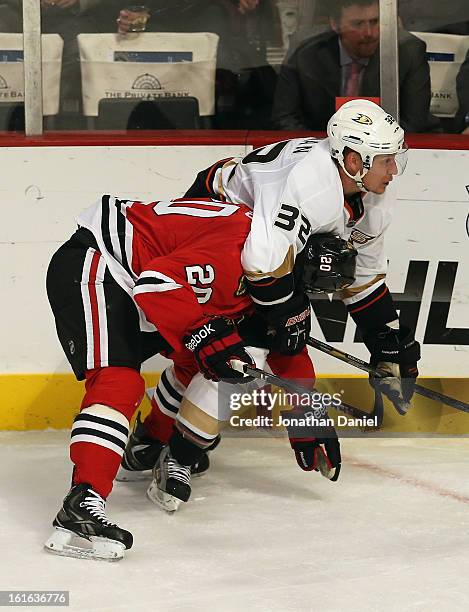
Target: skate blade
(124, 475)
(167, 502)
(97, 549)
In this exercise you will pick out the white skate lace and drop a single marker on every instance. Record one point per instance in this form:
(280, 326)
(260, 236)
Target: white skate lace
(95, 504)
(178, 471)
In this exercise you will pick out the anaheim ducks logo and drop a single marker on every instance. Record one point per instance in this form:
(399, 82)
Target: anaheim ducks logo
(363, 119)
(360, 237)
(242, 289)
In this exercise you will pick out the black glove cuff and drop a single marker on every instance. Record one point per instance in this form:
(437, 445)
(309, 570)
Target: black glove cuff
(394, 345)
(265, 291)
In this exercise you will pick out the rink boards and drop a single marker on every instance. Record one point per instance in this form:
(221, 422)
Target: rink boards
(46, 187)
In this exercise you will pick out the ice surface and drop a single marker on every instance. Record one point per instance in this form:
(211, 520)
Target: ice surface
(258, 533)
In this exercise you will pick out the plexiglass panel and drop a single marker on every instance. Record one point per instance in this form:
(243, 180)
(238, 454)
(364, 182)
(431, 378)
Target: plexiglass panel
(442, 30)
(238, 64)
(11, 67)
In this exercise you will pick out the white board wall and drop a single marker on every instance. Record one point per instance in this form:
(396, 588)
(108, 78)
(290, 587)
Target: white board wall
(44, 188)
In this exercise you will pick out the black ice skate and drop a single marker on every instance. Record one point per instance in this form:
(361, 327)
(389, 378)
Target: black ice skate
(142, 453)
(140, 456)
(171, 482)
(82, 529)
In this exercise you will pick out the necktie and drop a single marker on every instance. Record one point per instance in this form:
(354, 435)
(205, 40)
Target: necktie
(353, 82)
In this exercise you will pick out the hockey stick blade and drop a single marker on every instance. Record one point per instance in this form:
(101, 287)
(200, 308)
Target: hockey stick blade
(292, 387)
(363, 365)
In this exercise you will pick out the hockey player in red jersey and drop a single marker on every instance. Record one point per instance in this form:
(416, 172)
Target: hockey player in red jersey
(131, 266)
(129, 269)
(303, 187)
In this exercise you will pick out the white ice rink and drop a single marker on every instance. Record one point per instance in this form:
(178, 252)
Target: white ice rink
(258, 533)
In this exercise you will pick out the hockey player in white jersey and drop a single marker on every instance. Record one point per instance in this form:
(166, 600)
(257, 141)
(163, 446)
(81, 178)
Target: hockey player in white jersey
(316, 193)
(340, 186)
(313, 194)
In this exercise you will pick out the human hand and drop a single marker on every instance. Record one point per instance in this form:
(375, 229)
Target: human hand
(124, 21)
(316, 448)
(466, 131)
(215, 345)
(394, 352)
(61, 4)
(246, 6)
(127, 20)
(290, 324)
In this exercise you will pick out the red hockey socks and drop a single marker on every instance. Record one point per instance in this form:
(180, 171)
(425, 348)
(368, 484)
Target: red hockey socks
(100, 431)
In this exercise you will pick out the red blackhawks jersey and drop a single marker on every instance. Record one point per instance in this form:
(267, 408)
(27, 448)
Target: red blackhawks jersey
(180, 261)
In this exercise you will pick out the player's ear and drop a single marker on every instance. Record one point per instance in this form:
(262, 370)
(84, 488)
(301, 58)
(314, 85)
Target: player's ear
(352, 161)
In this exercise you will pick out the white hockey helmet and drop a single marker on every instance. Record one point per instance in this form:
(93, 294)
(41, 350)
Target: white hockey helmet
(364, 127)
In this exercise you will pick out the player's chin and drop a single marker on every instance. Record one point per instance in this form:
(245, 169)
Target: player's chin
(383, 187)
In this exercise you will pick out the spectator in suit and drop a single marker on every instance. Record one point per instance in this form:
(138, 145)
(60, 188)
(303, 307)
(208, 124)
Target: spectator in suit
(345, 62)
(462, 88)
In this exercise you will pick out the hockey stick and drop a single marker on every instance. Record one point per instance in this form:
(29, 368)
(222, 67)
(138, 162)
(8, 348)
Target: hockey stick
(293, 387)
(362, 365)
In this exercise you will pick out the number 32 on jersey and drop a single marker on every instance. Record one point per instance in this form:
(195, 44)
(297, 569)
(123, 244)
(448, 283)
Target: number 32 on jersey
(286, 220)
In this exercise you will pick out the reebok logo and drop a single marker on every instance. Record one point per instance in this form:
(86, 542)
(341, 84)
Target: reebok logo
(197, 338)
(298, 318)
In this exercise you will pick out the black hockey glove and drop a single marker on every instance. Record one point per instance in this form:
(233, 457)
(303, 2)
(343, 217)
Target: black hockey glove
(316, 447)
(214, 344)
(396, 352)
(289, 324)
